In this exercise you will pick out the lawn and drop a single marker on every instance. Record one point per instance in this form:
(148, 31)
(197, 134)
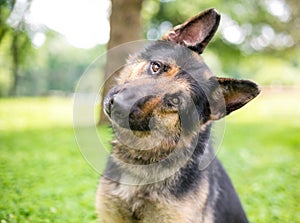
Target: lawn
(44, 177)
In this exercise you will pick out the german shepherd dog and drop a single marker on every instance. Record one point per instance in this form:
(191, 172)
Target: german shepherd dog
(161, 112)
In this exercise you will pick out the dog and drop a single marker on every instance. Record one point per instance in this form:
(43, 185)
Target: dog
(161, 111)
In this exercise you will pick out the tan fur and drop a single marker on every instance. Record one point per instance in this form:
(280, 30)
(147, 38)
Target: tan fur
(173, 71)
(150, 105)
(131, 71)
(117, 204)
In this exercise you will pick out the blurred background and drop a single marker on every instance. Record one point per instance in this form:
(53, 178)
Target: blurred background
(45, 47)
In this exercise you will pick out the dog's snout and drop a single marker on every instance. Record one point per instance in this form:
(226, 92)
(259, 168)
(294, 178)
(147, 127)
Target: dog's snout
(120, 106)
(129, 108)
(118, 103)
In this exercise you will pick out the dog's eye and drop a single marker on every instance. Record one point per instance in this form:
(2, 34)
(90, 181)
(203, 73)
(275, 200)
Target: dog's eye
(156, 67)
(175, 100)
(172, 100)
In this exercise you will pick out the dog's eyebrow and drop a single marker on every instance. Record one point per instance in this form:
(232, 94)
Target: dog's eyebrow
(136, 68)
(172, 71)
(164, 60)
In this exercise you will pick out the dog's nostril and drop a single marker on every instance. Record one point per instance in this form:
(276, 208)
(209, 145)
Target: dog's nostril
(108, 103)
(111, 101)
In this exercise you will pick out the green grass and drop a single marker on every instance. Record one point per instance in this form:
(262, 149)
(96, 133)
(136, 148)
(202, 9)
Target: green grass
(44, 177)
(261, 151)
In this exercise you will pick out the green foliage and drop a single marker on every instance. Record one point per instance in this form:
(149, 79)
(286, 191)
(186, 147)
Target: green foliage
(249, 15)
(56, 68)
(18, 43)
(44, 178)
(259, 31)
(5, 9)
(53, 68)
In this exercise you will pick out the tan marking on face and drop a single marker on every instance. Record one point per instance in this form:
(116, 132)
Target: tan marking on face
(150, 105)
(172, 71)
(138, 69)
(180, 84)
(132, 71)
(169, 122)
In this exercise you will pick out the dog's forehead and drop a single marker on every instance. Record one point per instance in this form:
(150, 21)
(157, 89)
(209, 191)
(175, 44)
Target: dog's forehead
(181, 61)
(169, 51)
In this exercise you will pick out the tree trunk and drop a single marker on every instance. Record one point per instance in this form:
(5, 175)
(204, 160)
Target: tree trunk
(15, 65)
(125, 26)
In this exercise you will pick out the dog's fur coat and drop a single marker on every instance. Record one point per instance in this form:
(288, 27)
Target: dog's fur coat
(161, 112)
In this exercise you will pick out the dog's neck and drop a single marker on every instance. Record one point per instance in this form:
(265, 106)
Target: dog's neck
(171, 155)
(144, 148)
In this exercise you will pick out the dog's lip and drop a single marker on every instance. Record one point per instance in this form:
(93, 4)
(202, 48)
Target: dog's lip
(106, 107)
(106, 111)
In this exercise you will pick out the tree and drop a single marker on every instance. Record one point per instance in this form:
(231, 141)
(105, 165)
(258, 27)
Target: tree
(14, 28)
(125, 26)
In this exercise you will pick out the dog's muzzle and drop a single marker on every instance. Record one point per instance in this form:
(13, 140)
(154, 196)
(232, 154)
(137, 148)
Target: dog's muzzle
(124, 107)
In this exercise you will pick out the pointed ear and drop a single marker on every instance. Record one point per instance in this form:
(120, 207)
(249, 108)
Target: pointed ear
(230, 95)
(196, 32)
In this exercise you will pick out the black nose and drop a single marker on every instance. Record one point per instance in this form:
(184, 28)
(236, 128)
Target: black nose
(118, 103)
(125, 107)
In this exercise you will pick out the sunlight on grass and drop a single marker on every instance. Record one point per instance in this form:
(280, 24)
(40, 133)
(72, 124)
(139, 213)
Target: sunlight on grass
(43, 177)
(32, 113)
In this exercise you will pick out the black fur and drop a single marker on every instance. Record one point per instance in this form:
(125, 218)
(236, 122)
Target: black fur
(189, 176)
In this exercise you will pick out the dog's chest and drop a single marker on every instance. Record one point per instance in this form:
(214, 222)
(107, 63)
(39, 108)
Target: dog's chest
(135, 204)
(126, 203)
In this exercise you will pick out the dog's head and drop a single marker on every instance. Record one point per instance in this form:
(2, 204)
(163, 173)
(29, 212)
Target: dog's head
(168, 88)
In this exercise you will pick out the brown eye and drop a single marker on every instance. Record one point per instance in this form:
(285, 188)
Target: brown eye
(155, 67)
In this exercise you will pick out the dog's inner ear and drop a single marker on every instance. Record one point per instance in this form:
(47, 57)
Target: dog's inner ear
(196, 32)
(230, 95)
